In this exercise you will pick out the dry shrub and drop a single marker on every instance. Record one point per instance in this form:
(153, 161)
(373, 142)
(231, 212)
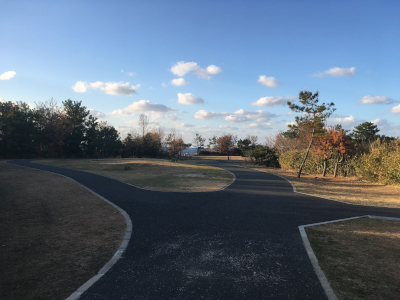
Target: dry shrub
(291, 160)
(382, 163)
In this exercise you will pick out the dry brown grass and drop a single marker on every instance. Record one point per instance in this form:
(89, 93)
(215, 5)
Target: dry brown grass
(359, 257)
(55, 235)
(347, 189)
(154, 174)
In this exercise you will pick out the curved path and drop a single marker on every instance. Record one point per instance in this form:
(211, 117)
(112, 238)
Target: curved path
(239, 243)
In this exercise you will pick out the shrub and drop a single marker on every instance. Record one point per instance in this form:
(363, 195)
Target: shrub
(382, 163)
(291, 160)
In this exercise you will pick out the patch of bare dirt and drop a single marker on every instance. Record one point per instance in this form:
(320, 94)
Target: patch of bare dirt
(55, 235)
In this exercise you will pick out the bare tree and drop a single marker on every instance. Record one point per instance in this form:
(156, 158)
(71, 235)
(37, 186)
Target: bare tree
(143, 123)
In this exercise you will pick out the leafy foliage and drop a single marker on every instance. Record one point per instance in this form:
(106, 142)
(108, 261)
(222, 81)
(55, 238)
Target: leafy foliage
(226, 144)
(312, 114)
(365, 132)
(333, 141)
(198, 142)
(382, 163)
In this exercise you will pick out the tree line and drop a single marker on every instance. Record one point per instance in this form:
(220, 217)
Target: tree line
(71, 131)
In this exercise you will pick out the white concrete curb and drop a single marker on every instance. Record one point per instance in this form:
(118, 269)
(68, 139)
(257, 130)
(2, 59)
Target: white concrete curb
(117, 255)
(314, 261)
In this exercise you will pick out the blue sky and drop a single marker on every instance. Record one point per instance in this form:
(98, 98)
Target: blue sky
(235, 63)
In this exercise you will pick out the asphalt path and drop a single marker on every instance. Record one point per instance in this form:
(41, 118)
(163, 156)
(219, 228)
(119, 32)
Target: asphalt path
(239, 243)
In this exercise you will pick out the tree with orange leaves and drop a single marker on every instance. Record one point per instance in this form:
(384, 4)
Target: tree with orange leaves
(226, 144)
(334, 141)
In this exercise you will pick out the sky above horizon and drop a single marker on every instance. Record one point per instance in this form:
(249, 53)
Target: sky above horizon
(207, 67)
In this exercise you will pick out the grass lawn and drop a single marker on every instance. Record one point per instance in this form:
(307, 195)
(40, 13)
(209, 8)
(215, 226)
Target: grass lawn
(359, 257)
(154, 174)
(55, 235)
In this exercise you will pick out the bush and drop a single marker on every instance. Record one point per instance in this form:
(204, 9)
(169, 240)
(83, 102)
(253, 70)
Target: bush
(291, 160)
(382, 163)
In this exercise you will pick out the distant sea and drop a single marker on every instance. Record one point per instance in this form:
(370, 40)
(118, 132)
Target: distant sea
(189, 151)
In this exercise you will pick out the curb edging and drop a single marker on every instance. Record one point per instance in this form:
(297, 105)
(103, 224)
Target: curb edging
(313, 258)
(124, 244)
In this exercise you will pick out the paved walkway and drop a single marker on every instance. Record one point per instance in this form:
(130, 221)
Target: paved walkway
(239, 243)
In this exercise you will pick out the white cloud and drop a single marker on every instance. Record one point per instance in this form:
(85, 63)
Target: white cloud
(97, 114)
(128, 73)
(185, 125)
(7, 75)
(189, 99)
(345, 121)
(3, 100)
(160, 115)
(272, 101)
(210, 70)
(376, 100)
(395, 110)
(336, 72)
(141, 106)
(164, 84)
(290, 123)
(253, 126)
(181, 69)
(268, 81)
(226, 127)
(288, 114)
(115, 88)
(111, 88)
(258, 116)
(80, 87)
(387, 128)
(236, 118)
(178, 81)
(203, 114)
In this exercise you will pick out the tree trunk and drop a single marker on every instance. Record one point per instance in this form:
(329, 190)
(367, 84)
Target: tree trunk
(337, 164)
(305, 156)
(324, 171)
